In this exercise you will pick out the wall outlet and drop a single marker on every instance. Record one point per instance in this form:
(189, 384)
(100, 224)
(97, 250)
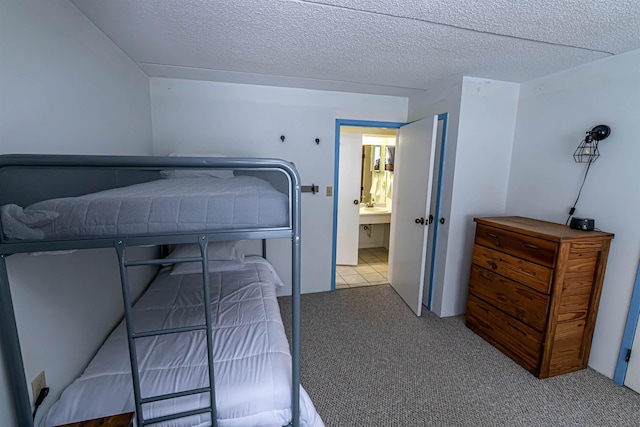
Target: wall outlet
(38, 384)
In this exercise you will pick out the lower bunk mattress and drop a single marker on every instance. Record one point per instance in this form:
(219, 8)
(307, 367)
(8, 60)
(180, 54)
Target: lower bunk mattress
(251, 356)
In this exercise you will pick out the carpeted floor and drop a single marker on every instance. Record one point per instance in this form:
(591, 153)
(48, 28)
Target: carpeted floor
(367, 360)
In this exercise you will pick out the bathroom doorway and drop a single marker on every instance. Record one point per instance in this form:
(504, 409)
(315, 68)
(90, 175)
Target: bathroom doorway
(413, 239)
(365, 191)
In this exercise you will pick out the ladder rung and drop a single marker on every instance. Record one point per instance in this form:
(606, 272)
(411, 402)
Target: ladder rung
(168, 331)
(176, 416)
(161, 261)
(175, 395)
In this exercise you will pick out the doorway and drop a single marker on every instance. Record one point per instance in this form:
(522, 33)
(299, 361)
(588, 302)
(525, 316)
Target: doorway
(365, 181)
(413, 267)
(628, 367)
(363, 190)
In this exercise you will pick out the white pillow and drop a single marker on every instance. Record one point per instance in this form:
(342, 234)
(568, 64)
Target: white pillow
(214, 266)
(196, 173)
(259, 260)
(217, 252)
(196, 154)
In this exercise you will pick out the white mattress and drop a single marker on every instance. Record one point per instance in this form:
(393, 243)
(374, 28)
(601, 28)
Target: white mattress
(161, 206)
(251, 357)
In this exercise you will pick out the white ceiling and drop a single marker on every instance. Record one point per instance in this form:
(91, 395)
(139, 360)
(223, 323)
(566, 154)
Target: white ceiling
(390, 47)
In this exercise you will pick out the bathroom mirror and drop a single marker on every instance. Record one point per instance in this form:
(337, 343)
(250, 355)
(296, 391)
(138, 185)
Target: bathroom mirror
(376, 183)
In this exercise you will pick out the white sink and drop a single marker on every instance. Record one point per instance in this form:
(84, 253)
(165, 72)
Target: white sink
(375, 215)
(367, 211)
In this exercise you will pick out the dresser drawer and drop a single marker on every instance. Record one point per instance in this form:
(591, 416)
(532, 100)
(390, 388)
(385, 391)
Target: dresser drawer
(530, 248)
(515, 339)
(527, 273)
(523, 303)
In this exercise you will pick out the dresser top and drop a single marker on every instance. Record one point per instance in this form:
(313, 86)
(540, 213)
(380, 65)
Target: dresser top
(542, 229)
(120, 420)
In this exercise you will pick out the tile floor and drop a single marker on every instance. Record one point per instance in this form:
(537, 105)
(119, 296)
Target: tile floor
(371, 269)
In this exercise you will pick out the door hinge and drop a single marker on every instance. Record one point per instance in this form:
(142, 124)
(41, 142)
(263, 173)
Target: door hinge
(628, 356)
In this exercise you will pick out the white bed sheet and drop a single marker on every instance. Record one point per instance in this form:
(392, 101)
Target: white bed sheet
(251, 356)
(161, 206)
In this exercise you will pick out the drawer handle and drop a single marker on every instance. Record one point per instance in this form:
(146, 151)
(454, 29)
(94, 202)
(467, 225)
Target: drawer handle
(492, 235)
(530, 246)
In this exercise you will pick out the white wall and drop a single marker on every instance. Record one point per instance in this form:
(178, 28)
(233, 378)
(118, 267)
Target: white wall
(246, 120)
(481, 124)
(553, 115)
(65, 88)
(483, 153)
(377, 236)
(65, 307)
(447, 101)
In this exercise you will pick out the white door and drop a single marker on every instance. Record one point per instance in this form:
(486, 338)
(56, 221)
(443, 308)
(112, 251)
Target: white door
(632, 378)
(415, 153)
(349, 172)
(433, 214)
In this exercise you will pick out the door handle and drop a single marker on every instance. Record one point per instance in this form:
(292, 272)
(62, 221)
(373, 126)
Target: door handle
(441, 220)
(430, 219)
(419, 220)
(356, 202)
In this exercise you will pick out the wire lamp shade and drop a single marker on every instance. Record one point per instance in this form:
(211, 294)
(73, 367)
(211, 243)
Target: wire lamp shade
(587, 151)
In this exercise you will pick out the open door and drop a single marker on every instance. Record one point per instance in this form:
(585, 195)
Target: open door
(349, 199)
(632, 379)
(435, 261)
(415, 154)
(628, 368)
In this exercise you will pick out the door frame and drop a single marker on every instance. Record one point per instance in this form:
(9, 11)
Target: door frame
(336, 169)
(433, 239)
(629, 332)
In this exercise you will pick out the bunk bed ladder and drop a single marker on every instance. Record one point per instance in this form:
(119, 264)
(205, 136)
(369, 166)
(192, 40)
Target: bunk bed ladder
(120, 247)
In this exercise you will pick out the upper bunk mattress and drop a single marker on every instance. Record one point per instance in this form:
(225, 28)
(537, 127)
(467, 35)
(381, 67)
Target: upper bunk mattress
(252, 362)
(161, 206)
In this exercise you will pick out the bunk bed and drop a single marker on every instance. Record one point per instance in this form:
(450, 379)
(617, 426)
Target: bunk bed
(50, 202)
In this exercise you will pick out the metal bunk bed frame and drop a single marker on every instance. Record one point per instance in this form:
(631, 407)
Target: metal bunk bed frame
(48, 177)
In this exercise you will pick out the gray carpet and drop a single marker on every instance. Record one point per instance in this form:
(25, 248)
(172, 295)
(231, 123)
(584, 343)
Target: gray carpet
(367, 360)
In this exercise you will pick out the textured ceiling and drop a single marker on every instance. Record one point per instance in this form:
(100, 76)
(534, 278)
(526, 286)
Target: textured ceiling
(374, 46)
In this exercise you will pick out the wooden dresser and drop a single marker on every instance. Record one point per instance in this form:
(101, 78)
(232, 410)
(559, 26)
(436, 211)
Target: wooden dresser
(534, 291)
(120, 420)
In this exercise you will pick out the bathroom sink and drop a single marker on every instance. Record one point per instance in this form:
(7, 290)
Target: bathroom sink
(373, 210)
(375, 215)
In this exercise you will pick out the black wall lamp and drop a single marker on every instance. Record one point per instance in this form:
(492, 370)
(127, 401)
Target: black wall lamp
(587, 151)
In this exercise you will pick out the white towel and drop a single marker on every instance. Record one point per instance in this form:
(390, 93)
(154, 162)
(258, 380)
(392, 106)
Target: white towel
(389, 185)
(375, 186)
